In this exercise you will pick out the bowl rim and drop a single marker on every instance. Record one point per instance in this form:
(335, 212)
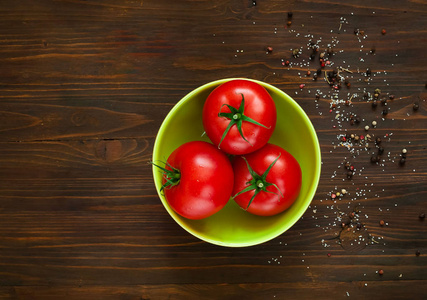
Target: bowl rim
(313, 185)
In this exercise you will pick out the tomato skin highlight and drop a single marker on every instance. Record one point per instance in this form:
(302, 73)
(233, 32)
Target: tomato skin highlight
(259, 106)
(285, 174)
(206, 180)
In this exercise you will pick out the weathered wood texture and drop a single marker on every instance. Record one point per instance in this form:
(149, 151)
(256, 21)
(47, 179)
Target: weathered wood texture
(84, 87)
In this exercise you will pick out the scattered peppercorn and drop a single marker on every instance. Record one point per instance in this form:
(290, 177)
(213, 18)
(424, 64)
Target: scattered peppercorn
(347, 165)
(380, 150)
(302, 85)
(404, 151)
(383, 31)
(391, 97)
(343, 191)
(385, 111)
(383, 101)
(357, 119)
(367, 127)
(368, 72)
(270, 49)
(378, 140)
(382, 223)
(290, 14)
(374, 123)
(381, 272)
(351, 215)
(402, 161)
(295, 52)
(422, 216)
(374, 104)
(373, 50)
(308, 73)
(289, 23)
(374, 159)
(356, 31)
(287, 62)
(416, 106)
(417, 253)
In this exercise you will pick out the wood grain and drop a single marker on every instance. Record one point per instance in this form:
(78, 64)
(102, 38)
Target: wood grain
(84, 88)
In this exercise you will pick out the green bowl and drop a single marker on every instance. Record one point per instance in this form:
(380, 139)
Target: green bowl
(232, 226)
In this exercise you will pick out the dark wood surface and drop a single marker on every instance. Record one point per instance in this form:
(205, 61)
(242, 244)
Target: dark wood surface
(84, 87)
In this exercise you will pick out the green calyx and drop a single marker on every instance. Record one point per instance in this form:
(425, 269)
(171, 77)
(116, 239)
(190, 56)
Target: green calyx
(258, 182)
(237, 117)
(172, 176)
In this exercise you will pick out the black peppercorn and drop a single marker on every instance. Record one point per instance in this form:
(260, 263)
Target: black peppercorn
(422, 216)
(416, 106)
(383, 101)
(378, 140)
(391, 97)
(402, 161)
(374, 159)
(318, 72)
(368, 72)
(380, 150)
(290, 15)
(373, 50)
(374, 104)
(417, 253)
(357, 120)
(385, 111)
(349, 174)
(356, 31)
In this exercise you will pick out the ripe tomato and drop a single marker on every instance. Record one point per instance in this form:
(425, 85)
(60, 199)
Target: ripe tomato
(197, 180)
(267, 181)
(239, 116)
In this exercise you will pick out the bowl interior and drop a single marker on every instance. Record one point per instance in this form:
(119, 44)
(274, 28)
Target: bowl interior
(232, 226)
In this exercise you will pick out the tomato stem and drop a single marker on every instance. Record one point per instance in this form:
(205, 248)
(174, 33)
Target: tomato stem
(172, 175)
(258, 182)
(237, 117)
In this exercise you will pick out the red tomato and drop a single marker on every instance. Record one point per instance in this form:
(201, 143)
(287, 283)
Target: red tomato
(239, 116)
(274, 184)
(198, 180)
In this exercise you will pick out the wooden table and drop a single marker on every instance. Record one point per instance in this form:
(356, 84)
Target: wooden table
(84, 87)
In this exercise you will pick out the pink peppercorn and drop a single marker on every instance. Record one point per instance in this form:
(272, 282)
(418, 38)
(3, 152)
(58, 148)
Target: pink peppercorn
(302, 85)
